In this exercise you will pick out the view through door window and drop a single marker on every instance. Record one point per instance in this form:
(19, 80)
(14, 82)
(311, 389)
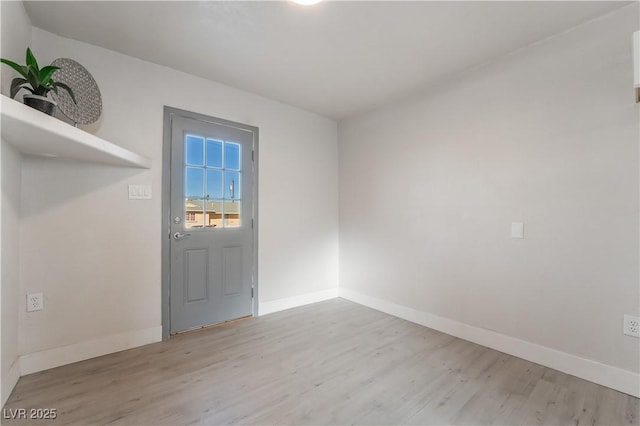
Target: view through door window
(213, 183)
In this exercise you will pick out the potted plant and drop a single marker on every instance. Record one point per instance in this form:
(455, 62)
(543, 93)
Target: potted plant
(38, 81)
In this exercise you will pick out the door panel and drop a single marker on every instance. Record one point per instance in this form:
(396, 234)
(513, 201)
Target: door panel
(232, 270)
(211, 213)
(196, 275)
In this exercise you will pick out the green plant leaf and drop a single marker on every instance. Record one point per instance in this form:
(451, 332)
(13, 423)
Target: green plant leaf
(41, 91)
(31, 60)
(68, 89)
(46, 73)
(19, 68)
(32, 76)
(16, 85)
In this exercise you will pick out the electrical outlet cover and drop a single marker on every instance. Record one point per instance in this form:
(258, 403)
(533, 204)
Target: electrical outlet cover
(35, 302)
(631, 326)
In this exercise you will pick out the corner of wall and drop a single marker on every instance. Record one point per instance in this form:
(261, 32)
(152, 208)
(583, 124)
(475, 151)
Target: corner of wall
(11, 170)
(15, 37)
(278, 305)
(466, 173)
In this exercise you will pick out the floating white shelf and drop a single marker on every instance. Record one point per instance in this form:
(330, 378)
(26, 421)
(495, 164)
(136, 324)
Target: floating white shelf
(33, 132)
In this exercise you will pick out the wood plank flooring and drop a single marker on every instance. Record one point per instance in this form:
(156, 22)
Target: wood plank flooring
(333, 362)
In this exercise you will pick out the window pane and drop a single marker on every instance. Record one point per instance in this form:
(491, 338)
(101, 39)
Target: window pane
(232, 212)
(214, 183)
(193, 213)
(194, 182)
(232, 188)
(195, 150)
(214, 153)
(214, 214)
(232, 156)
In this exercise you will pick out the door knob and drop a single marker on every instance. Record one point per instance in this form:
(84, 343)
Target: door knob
(180, 235)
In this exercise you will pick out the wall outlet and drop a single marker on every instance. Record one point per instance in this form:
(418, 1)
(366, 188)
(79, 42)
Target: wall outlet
(35, 302)
(631, 326)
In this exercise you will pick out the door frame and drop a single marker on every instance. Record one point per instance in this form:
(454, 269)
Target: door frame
(169, 113)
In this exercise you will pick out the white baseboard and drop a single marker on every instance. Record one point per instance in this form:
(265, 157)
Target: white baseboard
(291, 302)
(50, 358)
(9, 381)
(602, 374)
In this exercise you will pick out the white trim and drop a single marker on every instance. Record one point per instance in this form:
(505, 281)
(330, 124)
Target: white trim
(9, 381)
(602, 374)
(50, 358)
(295, 301)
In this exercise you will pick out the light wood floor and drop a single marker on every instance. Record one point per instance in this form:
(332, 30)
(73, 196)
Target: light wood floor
(333, 362)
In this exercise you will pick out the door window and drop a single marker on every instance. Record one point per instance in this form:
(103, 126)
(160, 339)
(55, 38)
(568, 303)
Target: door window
(213, 183)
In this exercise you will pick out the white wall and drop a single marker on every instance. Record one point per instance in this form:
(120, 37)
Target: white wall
(96, 255)
(15, 36)
(547, 136)
(11, 178)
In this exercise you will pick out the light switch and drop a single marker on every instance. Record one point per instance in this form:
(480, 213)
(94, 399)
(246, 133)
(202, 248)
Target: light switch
(517, 230)
(139, 192)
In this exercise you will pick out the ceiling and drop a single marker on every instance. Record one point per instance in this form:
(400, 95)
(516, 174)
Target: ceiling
(337, 59)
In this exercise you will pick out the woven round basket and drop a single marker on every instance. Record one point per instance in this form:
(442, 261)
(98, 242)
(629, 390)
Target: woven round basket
(89, 101)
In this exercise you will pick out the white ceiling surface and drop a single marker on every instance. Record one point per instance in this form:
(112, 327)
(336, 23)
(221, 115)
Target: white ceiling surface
(336, 59)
